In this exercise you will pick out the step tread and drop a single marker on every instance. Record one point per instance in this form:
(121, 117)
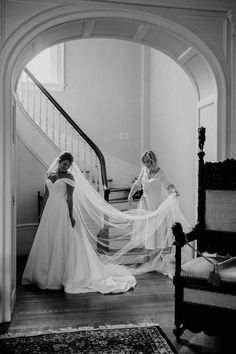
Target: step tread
(121, 200)
(138, 252)
(120, 189)
(114, 200)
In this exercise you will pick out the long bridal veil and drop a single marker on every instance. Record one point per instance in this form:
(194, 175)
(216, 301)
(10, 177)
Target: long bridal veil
(118, 237)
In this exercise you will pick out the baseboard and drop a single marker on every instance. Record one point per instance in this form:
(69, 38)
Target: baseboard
(25, 237)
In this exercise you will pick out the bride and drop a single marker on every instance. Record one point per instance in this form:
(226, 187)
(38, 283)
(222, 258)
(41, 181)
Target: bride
(67, 252)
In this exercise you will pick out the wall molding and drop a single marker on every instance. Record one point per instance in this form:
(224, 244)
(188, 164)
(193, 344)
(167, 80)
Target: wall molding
(207, 101)
(2, 21)
(26, 226)
(217, 6)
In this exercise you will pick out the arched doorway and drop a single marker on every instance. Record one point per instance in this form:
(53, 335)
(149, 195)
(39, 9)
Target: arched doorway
(51, 27)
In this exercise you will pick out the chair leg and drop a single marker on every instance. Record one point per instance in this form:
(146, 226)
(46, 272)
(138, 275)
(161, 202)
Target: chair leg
(178, 331)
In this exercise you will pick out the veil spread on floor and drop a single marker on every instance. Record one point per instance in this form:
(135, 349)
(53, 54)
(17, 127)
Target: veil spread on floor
(116, 236)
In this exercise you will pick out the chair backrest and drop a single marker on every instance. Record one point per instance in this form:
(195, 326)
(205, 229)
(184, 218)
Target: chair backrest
(216, 204)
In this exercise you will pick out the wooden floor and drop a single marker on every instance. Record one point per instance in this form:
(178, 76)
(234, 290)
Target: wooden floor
(151, 301)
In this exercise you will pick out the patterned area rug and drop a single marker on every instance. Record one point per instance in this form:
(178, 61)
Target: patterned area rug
(112, 340)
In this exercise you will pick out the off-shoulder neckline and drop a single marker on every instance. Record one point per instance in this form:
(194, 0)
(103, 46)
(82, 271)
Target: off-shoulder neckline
(70, 179)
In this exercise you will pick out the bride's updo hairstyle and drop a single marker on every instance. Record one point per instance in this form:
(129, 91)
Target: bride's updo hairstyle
(151, 156)
(66, 156)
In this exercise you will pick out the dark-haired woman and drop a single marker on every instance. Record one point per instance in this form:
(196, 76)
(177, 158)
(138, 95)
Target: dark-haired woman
(61, 255)
(65, 161)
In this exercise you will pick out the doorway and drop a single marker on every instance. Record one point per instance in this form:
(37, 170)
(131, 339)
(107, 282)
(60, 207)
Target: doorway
(149, 30)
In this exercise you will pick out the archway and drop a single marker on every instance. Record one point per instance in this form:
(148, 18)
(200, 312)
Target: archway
(54, 26)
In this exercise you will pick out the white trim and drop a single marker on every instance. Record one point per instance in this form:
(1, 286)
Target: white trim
(145, 98)
(57, 53)
(207, 5)
(2, 21)
(141, 32)
(207, 101)
(187, 55)
(26, 227)
(88, 28)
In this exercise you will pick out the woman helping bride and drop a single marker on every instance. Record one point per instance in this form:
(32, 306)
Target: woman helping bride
(67, 252)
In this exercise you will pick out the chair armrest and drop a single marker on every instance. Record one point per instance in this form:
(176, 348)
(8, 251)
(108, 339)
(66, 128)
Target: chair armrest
(182, 238)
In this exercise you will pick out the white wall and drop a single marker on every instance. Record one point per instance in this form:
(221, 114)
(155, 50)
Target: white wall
(30, 180)
(102, 93)
(174, 127)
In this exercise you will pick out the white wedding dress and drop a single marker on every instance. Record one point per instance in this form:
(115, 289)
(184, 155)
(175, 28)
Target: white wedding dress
(63, 257)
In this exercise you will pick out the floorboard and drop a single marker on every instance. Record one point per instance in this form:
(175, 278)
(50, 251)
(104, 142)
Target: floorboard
(151, 301)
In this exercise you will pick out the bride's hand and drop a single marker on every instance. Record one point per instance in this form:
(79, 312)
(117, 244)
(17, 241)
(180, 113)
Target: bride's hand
(72, 221)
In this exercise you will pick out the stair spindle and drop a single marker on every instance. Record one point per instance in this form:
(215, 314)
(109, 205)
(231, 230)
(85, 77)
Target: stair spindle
(34, 102)
(59, 130)
(53, 124)
(40, 109)
(46, 116)
(65, 134)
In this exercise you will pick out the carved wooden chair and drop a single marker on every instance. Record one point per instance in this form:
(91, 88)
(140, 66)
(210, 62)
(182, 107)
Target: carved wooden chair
(205, 288)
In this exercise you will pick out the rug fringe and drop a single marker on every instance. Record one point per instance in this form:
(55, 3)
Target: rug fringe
(78, 329)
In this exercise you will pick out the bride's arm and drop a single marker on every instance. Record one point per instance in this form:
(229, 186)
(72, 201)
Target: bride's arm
(52, 178)
(45, 198)
(70, 191)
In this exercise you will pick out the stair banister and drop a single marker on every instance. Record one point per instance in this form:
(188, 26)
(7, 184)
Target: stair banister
(76, 127)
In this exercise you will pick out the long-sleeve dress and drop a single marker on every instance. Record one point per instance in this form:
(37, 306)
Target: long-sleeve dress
(62, 256)
(155, 191)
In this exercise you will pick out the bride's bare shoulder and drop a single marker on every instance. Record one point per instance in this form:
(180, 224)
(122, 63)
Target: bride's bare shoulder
(70, 176)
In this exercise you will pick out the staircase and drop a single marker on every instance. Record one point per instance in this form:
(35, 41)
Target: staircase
(45, 123)
(57, 126)
(118, 198)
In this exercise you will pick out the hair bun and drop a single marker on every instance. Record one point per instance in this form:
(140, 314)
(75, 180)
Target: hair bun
(66, 155)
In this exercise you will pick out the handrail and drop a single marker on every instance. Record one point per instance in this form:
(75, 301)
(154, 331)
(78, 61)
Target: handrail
(75, 126)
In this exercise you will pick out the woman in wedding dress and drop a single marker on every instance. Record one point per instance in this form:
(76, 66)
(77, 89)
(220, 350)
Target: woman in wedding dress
(62, 256)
